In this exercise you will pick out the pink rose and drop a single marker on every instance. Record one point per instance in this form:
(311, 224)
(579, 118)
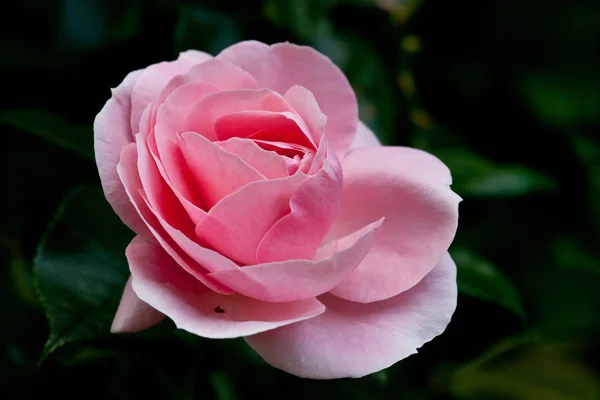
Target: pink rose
(264, 209)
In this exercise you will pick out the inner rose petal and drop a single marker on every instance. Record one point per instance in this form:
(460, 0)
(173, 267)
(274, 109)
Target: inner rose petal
(215, 172)
(237, 223)
(264, 125)
(186, 193)
(268, 163)
(297, 158)
(204, 114)
(307, 107)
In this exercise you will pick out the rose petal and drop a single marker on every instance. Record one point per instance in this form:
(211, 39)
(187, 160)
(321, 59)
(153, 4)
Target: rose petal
(205, 113)
(219, 73)
(159, 194)
(293, 164)
(169, 213)
(283, 65)
(410, 188)
(211, 74)
(289, 150)
(209, 259)
(178, 105)
(364, 137)
(352, 339)
(237, 223)
(307, 107)
(264, 125)
(158, 281)
(164, 144)
(194, 57)
(301, 279)
(155, 77)
(127, 169)
(181, 185)
(313, 208)
(112, 132)
(323, 153)
(215, 172)
(133, 315)
(174, 103)
(268, 163)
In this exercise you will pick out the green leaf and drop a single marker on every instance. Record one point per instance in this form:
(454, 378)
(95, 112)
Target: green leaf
(382, 377)
(47, 126)
(563, 97)
(524, 369)
(479, 278)
(16, 54)
(223, 386)
(476, 176)
(80, 268)
(572, 254)
(588, 152)
(236, 350)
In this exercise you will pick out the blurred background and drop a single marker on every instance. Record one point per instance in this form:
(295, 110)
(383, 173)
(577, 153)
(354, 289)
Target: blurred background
(506, 93)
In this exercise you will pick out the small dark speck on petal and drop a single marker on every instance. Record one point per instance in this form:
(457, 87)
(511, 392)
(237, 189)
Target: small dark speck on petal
(219, 310)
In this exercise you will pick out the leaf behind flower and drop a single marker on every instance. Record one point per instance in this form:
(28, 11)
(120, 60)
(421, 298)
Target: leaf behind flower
(479, 278)
(80, 268)
(475, 176)
(75, 138)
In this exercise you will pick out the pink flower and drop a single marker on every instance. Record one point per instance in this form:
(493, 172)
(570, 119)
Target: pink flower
(264, 209)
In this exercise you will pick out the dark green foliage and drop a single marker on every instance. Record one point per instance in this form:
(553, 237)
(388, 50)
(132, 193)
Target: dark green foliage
(80, 268)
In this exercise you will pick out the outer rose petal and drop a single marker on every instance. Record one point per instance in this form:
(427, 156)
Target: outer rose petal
(162, 199)
(207, 258)
(118, 121)
(155, 77)
(159, 281)
(193, 57)
(222, 74)
(353, 339)
(284, 65)
(133, 315)
(301, 279)
(128, 173)
(178, 104)
(410, 188)
(111, 133)
(189, 197)
(364, 137)
(164, 143)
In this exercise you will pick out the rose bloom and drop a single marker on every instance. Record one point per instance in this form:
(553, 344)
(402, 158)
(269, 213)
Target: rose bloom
(265, 209)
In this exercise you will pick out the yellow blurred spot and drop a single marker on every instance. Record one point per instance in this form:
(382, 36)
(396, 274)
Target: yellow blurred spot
(400, 11)
(406, 82)
(420, 118)
(411, 44)
(388, 5)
